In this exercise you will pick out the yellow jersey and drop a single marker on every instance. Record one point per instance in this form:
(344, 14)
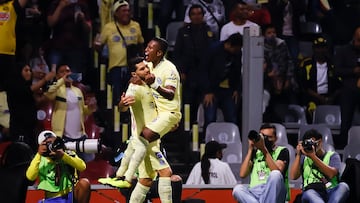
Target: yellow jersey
(143, 111)
(169, 76)
(8, 18)
(117, 48)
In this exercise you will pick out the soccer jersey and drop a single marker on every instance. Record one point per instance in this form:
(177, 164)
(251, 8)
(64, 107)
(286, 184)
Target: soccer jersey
(168, 75)
(8, 18)
(143, 110)
(117, 48)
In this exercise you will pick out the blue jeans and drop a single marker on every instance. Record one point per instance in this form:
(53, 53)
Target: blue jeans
(273, 191)
(337, 194)
(119, 79)
(224, 101)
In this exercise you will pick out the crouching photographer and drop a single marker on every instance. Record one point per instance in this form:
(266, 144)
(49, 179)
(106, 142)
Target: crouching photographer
(319, 170)
(57, 169)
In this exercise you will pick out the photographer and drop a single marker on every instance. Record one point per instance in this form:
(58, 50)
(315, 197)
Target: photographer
(57, 171)
(267, 166)
(319, 170)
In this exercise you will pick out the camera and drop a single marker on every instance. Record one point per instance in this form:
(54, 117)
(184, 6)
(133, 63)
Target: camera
(86, 145)
(56, 145)
(308, 145)
(254, 136)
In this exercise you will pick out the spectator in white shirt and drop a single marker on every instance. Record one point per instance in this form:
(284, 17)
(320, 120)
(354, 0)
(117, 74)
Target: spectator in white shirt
(211, 170)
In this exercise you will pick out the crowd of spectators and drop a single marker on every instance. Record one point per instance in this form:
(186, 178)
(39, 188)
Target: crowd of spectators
(207, 51)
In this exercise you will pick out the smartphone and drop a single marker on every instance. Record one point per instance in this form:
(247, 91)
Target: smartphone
(77, 77)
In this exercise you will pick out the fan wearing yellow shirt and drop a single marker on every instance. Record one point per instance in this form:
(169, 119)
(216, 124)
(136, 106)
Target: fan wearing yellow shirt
(9, 12)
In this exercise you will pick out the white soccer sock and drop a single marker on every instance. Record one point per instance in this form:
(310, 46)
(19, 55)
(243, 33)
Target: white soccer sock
(140, 146)
(139, 193)
(165, 190)
(125, 160)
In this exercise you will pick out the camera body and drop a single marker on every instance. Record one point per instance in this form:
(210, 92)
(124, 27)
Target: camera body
(86, 145)
(308, 145)
(254, 136)
(56, 145)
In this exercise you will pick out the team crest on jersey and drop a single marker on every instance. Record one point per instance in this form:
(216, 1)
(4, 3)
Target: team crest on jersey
(210, 34)
(132, 30)
(159, 156)
(116, 38)
(4, 16)
(158, 81)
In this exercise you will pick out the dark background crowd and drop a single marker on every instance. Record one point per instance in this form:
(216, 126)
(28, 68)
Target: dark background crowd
(311, 55)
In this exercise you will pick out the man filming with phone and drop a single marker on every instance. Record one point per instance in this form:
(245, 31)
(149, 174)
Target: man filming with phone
(267, 165)
(70, 108)
(319, 170)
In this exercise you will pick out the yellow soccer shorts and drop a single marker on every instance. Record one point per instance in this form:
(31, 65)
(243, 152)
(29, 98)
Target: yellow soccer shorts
(164, 122)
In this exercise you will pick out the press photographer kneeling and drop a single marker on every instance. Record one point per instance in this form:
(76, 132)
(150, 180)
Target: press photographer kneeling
(57, 169)
(319, 170)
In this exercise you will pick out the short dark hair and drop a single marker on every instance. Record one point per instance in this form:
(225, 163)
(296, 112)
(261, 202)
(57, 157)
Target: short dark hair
(60, 65)
(266, 27)
(162, 43)
(235, 39)
(268, 126)
(194, 6)
(133, 61)
(312, 133)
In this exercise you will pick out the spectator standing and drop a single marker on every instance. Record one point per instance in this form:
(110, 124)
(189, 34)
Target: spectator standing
(11, 9)
(267, 165)
(58, 172)
(347, 66)
(191, 43)
(319, 170)
(166, 12)
(220, 83)
(70, 108)
(318, 81)
(38, 65)
(71, 26)
(117, 35)
(211, 170)
(214, 14)
(240, 16)
(278, 74)
(285, 15)
(22, 100)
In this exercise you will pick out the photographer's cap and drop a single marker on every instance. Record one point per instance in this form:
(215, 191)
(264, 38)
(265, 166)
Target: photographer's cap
(213, 146)
(45, 135)
(118, 4)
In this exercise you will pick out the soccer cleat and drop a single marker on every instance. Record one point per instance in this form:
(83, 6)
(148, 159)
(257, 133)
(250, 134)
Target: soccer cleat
(106, 180)
(119, 183)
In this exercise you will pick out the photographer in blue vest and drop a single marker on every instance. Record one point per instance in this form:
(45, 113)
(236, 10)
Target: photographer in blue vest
(267, 165)
(319, 170)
